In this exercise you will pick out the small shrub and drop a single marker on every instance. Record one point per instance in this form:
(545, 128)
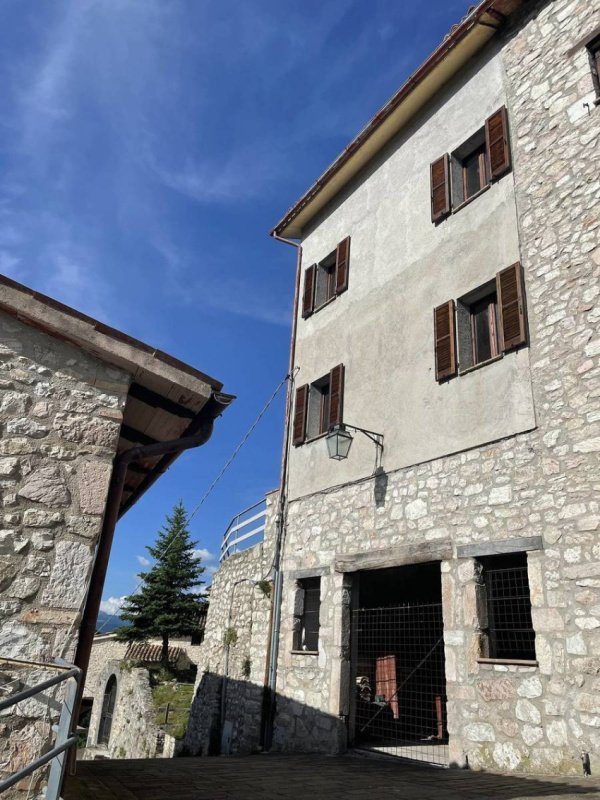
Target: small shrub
(246, 667)
(230, 637)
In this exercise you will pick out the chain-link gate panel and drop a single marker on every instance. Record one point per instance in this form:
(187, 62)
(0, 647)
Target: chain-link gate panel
(400, 682)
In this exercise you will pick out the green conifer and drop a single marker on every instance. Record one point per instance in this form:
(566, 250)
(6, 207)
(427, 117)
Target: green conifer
(167, 603)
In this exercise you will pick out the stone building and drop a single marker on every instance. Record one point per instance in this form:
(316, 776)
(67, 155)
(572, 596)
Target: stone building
(441, 598)
(228, 699)
(90, 419)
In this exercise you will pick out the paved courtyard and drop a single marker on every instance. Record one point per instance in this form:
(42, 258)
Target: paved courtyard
(273, 777)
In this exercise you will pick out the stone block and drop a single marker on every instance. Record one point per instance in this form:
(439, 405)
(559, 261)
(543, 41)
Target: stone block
(496, 689)
(93, 479)
(527, 712)
(68, 580)
(479, 732)
(547, 619)
(530, 687)
(46, 485)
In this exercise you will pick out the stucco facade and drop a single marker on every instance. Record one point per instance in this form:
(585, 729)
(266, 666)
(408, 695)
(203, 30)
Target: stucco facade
(500, 459)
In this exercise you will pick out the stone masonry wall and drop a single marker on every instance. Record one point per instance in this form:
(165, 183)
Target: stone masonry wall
(233, 588)
(134, 732)
(106, 647)
(543, 483)
(60, 414)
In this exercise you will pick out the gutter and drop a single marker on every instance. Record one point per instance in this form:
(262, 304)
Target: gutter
(450, 41)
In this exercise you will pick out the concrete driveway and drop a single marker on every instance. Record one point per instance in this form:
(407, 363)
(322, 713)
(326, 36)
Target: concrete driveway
(273, 777)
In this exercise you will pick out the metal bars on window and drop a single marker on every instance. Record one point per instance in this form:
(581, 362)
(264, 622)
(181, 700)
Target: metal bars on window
(510, 628)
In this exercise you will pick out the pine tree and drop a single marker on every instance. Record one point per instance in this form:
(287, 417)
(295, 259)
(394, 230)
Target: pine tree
(166, 604)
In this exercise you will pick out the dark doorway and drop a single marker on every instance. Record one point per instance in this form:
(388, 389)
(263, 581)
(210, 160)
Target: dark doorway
(399, 670)
(108, 708)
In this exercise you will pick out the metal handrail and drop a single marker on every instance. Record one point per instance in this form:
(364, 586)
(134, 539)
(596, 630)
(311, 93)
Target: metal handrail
(65, 737)
(231, 541)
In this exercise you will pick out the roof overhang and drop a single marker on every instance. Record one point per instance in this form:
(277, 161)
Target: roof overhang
(167, 399)
(458, 47)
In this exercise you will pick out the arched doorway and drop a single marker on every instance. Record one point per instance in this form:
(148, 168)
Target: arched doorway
(108, 707)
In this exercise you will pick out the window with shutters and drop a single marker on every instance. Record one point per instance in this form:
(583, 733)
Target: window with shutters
(477, 323)
(470, 169)
(468, 166)
(594, 54)
(318, 406)
(504, 608)
(326, 280)
(307, 606)
(482, 325)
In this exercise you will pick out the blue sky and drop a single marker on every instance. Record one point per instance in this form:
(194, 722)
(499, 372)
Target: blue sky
(146, 149)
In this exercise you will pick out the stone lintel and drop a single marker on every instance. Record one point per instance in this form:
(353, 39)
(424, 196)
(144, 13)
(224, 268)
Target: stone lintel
(516, 545)
(52, 616)
(311, 572)
(401, 555)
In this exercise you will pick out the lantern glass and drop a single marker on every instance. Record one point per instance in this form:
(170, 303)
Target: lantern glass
(339, 441)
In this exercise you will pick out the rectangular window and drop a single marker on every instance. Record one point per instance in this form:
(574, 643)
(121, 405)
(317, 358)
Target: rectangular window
(484, 328)
(594, 54)
(477, 323)
(505, 608)
(474, 172)
(318, 407)
(306, 615)
(325, 281)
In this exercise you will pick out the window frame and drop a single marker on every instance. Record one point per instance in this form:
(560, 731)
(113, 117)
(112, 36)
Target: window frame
(325, 267)
(480, 152)
(492, 327)
(492, 607)
(593, 49)
(323, 387)
(305, 586)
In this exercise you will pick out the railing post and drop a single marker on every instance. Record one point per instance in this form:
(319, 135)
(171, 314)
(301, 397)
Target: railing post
(62, 734)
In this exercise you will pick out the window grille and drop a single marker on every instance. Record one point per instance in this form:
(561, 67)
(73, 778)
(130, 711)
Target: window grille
(306, 634)
(510, 628)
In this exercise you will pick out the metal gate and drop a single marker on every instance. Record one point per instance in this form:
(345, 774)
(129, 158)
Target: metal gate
(400, 702)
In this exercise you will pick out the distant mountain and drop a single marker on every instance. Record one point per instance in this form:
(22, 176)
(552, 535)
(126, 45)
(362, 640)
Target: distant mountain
(107, 623)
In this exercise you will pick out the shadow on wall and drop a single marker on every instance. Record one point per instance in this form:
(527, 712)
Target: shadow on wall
(227, 721)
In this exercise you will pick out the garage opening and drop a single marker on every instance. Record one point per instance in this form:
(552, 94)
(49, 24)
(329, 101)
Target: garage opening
(398, 657)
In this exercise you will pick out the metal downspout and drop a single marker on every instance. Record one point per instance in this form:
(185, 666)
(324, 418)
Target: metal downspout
(269, 707)
(203, 425)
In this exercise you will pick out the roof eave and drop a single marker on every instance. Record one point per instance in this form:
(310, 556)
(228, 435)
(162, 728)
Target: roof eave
(465, 40)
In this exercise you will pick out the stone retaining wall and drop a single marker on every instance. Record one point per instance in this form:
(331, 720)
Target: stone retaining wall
(235, 601)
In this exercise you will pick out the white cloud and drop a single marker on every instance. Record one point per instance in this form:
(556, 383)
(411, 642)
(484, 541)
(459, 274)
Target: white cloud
(204, 555)
(112, 605)
(145, 562)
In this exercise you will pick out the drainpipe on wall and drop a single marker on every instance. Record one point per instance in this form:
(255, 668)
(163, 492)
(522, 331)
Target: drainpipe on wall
(197, 434)
(270, 683)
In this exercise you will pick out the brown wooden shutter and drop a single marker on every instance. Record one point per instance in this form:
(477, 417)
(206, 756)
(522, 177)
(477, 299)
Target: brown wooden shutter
(496, 143)
(308, 296)
(445, 341)
(511, 310)
(299, 431)
(440, 188)
(342, 262)
(336, 394)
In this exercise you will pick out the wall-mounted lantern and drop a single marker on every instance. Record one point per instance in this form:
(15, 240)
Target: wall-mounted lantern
(339, 440)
